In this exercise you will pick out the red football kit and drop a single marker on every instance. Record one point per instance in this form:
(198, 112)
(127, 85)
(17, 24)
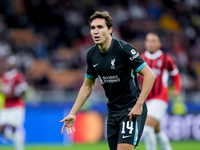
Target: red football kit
(13, 84)
(162, 65)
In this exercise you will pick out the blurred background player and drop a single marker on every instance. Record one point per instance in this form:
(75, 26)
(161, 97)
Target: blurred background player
(162, 65)
(13, 112)
(2, 96)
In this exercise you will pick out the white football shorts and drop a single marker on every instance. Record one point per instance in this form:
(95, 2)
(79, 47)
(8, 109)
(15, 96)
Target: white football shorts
(12, 116)
(156, 108)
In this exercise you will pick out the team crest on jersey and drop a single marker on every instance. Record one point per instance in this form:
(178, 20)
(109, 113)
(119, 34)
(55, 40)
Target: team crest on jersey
(159, 63)
(112, 64)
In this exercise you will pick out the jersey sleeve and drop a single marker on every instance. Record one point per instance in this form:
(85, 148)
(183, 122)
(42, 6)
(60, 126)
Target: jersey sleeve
(174, 73)
(20, 85)
(90, 73)
(133, 58)
(171, 66)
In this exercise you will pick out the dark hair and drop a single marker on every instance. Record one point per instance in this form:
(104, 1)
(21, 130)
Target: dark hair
(104, 15)
(158, 33)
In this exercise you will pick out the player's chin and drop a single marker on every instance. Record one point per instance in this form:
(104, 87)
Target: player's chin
(151, 50)
(97, 42)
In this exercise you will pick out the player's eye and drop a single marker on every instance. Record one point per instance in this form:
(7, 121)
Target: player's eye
(100, 27)
(92, 27)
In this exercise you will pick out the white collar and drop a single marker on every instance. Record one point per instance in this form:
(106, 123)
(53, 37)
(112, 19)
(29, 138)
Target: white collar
(11, 74)
(153, 55)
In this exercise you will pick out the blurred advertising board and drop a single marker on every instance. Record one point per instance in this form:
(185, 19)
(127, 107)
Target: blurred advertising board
(42, 123)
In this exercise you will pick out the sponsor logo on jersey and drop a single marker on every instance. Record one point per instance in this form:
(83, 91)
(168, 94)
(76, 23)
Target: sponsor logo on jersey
(159, 63)
(94, 65)
(109, 79)
(112, 64)
(134, 53)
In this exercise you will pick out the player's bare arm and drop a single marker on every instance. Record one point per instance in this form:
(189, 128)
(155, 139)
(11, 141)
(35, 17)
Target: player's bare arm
(177, 84)
(148, 82)
(83, 95)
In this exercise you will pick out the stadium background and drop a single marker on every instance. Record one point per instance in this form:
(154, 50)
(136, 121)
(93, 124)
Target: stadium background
(50, 38)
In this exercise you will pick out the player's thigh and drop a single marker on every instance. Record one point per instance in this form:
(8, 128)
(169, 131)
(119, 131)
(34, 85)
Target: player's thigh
(156, 109)
(124, 146)
(151, 121)
(157, 128)
(128, 133)
(19, 113)
(14, 116)
(131, 132)
(3, 117)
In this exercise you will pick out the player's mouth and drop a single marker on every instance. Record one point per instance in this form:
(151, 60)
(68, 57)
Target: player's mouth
(96, 38)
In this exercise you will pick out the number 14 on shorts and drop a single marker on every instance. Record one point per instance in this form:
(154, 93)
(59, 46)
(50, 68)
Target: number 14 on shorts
(127, 126)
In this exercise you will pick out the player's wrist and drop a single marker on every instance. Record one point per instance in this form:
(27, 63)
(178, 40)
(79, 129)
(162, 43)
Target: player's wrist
(72, 115)
(139, 103)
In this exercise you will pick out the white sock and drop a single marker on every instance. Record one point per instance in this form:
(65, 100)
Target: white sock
(8, 133)
(17, 138)
(163, 141)
(149, 138)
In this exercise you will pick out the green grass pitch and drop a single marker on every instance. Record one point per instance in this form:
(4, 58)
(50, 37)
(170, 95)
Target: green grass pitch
(180, 145)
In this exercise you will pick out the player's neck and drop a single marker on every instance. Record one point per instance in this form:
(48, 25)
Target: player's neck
(105, 46)
(153, 52)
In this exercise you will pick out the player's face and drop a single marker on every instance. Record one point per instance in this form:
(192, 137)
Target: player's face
(152, 43)
(99, 31)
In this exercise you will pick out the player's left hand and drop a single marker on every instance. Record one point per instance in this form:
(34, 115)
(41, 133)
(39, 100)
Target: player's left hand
(135, 111)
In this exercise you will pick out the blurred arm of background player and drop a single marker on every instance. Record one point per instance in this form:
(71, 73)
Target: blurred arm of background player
(178, 105)
(177, 85)
(83, 95)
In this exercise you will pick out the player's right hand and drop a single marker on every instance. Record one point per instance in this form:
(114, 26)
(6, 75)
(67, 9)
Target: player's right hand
(135, 111)
(69, 124)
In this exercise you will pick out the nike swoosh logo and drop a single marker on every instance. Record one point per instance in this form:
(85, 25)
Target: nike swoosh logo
(95, 65)
(126, 136)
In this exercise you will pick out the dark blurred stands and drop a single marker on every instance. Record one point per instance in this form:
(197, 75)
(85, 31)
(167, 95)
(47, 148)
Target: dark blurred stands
(50, 38)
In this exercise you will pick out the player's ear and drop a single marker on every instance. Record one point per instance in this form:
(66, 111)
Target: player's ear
(110, 30)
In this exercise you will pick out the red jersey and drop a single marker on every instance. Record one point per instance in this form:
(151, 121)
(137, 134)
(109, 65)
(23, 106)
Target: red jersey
(162, 65)
(13, 84)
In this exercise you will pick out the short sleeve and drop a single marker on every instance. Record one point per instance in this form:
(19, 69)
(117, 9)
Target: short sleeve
(90, 73)
(21, 85)
(171, 66)
(133, 58)
(19, 79)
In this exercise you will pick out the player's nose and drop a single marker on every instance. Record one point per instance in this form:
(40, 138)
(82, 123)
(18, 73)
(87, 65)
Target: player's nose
(96, 31)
